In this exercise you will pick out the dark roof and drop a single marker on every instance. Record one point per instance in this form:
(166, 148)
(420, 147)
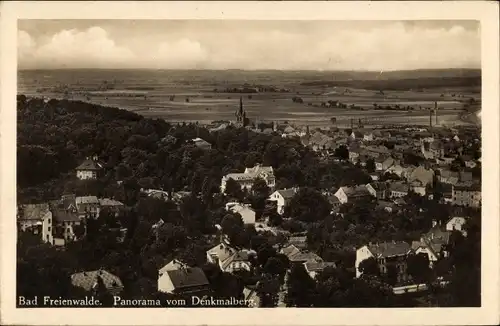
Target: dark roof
(379, 186)
(64, 215)
(187, 277)
(357, 191)
(470, 186)
(313, 266)
(389, 249)
(287, 193)
(90, 165)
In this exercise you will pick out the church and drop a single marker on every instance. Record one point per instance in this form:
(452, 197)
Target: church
(241, 116)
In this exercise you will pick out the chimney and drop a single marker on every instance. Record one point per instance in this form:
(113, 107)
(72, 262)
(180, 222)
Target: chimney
(430, 118)
(436, 112)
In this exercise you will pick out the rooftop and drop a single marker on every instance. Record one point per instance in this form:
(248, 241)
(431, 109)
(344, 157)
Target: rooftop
(33, 211)
(389, 249)
(87, 280)
(89, 165)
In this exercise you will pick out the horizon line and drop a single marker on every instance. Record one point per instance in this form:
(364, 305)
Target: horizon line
(255, 70)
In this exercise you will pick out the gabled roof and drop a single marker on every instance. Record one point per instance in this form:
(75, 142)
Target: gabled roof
(305, 257)
(109, 202)
(287, 193)
(33, 211)
(87, 200)
(223, 251)
(389, 249)
(356, 191)
(379, 186)
(187, 277)
(422, 174)
(172, 265)
(457, 220)
(398, 187)
(87, 280)
(89, 165)
(313, 266)
(65, 215)
(290, 250)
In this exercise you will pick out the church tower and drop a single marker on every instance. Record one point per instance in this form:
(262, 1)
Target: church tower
(241, 116)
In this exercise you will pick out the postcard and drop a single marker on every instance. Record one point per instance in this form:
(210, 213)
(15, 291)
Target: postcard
(208, 163)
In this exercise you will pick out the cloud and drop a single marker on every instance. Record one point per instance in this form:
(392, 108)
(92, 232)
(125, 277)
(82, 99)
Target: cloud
(72, 48)
(388, 46)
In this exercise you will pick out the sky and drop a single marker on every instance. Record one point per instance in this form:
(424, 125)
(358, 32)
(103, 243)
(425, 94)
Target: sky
(250, 45)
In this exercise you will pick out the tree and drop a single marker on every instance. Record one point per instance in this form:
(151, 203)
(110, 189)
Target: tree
(308, 205)
(260, 188)
(300, 288)
(268, 291)
(233, 189)
(418, 268)
(369, 266)
(370, 165)
(341, 152)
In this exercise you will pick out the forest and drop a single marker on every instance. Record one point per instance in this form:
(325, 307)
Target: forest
(55, 136)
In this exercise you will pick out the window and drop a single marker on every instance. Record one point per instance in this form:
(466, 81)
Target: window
(49, 220)
(48, 229)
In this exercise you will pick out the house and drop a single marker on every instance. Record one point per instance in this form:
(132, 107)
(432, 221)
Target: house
(335, 203)
(89, 281)
(202, 144)
(229, 259)
(65, 222)
(449, 177)
(313, 268)
(246, 212)
(90, 169)
(378, 190)
(395, 169)
(374, 176)
(425, 176)
(36, 219)
(349, 194)
(299, 242)
(387, 163)
(111, 205)
(247, 178)
(88, 207)
(290, 251)
(388, 255)
(303, 257)
(467, 194)
(470, 163)
(387, 206)
(434, 244)
(156, 193)
(398, 189)
(432, 150)
(178, 278)
(418, 188)
(282, 198)
(457, 223)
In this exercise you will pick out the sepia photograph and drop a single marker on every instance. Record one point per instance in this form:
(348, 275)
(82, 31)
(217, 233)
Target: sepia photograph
(250, 163)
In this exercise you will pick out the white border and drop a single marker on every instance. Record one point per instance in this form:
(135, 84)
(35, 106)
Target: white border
(486, 12)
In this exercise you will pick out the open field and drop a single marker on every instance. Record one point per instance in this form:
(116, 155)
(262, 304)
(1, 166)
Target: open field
(149, 92)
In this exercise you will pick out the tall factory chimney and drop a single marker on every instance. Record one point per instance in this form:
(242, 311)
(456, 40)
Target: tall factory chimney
(436, 112)
(430, 118)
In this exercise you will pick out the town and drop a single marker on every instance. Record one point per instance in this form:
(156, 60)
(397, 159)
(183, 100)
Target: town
(264, 212)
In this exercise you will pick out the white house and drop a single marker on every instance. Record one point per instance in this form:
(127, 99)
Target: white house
(387, 253)
(345, 194)
(229, 259)
(282, 198)
(457, 223)
(398, 190)
(89, 169)
(37, 219)
(201, 143)
(246, 212)
(248, 177)
(176, 277)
